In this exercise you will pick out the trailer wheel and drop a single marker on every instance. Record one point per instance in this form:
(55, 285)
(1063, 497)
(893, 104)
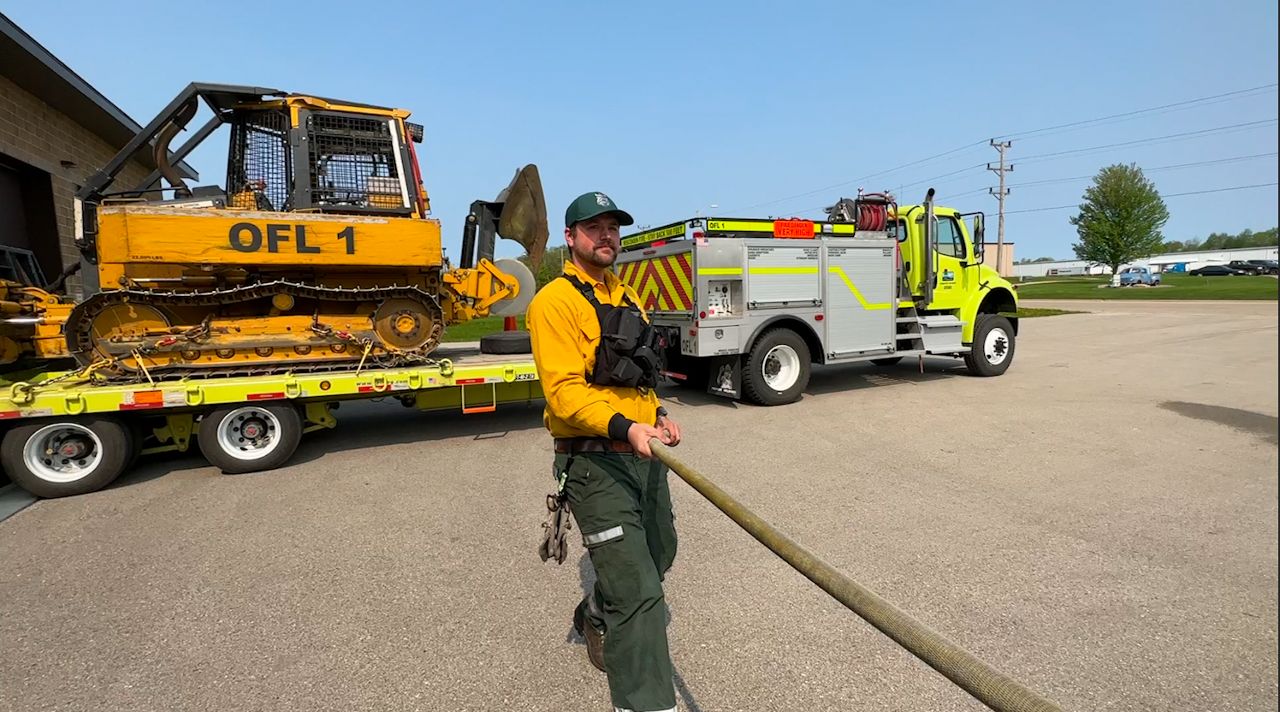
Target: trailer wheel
(993, 346)
(67, 457)
(777, 368)
(250, 438)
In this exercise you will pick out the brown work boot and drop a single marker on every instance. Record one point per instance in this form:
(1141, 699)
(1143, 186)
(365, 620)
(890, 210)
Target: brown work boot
(589, 633)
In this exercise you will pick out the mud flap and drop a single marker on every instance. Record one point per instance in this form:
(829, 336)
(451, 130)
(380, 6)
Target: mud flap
(724, 377)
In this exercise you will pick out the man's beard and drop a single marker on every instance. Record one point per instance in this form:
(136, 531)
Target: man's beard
(595, 258)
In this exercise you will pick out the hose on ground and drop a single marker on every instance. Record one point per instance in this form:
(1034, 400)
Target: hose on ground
(988, 685)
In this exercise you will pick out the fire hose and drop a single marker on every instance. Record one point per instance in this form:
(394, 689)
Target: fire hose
(990, 686)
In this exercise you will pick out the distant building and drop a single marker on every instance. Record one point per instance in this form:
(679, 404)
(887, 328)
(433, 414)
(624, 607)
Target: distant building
(55, 131)
(1169, 262)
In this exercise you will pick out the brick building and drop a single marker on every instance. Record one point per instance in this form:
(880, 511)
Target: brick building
(55, 131)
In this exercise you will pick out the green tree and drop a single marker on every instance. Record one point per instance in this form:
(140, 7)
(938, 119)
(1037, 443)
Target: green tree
(1120, 219)
(552, 264)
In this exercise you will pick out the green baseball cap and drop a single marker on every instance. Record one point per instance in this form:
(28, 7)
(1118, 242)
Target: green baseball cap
(589, 205)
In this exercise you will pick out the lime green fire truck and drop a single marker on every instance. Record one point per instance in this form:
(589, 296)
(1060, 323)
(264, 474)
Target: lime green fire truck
(746, 306)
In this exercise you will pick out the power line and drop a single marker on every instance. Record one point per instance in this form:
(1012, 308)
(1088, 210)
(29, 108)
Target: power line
(1189, 102)
(1064, 180)
(1185, 134)
(1140, 111)
(1045, 157)
(1170, 195)
(1154, 169)
(862, 178)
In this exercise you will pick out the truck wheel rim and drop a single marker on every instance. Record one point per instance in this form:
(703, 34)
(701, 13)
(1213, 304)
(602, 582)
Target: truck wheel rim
(781, 367)
(996, 347)
(249, 433)
(62, 452)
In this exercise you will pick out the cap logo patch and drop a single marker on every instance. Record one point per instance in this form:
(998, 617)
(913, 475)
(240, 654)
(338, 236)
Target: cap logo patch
(602, 200)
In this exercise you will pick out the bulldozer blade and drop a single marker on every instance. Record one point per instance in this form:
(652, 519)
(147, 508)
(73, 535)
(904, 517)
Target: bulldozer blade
(524, 213)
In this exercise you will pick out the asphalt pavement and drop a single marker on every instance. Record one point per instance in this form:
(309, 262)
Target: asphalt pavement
(1099, 523)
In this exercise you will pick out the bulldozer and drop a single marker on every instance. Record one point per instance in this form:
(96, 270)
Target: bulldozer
(31, 312)
(317, 254)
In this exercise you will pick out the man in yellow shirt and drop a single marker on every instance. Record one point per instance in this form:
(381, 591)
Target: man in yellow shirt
(602, 412)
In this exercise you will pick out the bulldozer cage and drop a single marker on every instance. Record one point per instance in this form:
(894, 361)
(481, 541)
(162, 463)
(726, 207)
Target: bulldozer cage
(259, 174)
(353, 162)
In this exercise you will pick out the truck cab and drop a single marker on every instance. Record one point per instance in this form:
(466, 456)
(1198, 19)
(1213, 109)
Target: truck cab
(958, 281)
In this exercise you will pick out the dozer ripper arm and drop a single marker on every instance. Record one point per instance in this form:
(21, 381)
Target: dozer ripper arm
(474, 291)
(480, 284)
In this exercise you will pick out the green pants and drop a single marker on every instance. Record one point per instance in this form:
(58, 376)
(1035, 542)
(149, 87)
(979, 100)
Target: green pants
(623, 509)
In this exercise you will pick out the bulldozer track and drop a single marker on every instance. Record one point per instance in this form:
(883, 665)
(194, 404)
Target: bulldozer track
(79, 328)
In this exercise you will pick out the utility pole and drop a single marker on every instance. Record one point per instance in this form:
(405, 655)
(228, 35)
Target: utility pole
(1000, 170)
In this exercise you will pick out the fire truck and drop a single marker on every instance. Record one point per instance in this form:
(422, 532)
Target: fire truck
(746, 306)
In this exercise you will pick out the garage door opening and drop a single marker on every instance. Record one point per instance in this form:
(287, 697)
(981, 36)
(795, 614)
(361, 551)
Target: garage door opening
(27, 217)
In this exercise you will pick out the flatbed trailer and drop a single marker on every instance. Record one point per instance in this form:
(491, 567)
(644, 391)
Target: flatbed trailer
(64, 434)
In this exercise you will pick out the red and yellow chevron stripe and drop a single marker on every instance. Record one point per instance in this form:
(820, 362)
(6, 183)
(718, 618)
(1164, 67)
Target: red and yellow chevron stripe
(662, 283)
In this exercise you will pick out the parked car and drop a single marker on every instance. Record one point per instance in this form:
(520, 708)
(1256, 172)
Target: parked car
(1131, 276)
(1214, 271)
(1244, 266)
(1267, 266)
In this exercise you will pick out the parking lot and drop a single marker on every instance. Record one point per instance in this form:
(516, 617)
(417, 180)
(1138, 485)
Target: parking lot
(1100, 523)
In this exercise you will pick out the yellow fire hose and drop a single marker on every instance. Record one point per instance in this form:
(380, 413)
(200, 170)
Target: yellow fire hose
(990, 686)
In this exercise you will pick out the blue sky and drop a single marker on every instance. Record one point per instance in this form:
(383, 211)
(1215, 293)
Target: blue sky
(674, 107)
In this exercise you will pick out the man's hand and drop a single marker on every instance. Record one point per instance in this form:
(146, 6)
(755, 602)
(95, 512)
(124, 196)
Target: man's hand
(670, 430)
(639, 435)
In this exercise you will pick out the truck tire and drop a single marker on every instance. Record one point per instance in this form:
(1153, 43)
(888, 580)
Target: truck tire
(993, 346)
(61, 458)
(776, 369)
(250, 438)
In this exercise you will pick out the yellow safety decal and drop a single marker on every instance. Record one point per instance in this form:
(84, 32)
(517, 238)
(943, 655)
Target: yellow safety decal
(740, 226)
(768, 226)
(662, 283)
(644, 238)
(854, 289)
(714, 271)
(783, 270)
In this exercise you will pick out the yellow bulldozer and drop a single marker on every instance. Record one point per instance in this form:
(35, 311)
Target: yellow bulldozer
(317, 254)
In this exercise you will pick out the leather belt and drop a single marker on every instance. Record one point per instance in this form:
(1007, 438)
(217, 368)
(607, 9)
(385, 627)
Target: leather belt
(575, 445)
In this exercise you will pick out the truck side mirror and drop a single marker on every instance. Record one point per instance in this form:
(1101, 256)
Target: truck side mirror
(979, 241)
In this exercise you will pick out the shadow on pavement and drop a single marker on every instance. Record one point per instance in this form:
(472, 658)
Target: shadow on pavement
(834, 379)
(856, 376)
(1246, 421)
